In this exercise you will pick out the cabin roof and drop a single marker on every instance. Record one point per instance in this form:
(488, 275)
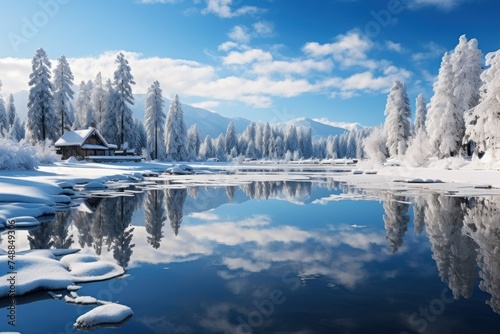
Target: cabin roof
(78, 138)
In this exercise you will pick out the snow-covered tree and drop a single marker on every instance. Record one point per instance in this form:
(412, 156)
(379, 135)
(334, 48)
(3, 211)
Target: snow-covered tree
(220, 148)
(231, 138)
(41, 118)
(4, 122)
(175, 132)
(419, 149)
(154, 122)
(16, 130)
(397, 126)
(483, 122)
(123, 81)
(207, 149)
(441, 103)
(375, 145)
(420, 113)
(99, 101)
(139, 139)
(305, 143)
(109, 127)
(84, 111)
(63, 94)
(291, 139)
(193, 142)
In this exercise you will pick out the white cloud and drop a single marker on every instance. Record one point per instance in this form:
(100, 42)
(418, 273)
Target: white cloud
(206, 104)
(432, 51)
(246, 57)
(263, 29)
(442, 4)
(222, 8)
(396, 47)
(226, 46)
(301, 67)
(240, 34)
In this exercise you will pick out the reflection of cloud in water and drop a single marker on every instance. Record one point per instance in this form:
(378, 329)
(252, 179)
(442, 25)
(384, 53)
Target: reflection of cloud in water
(209, 216)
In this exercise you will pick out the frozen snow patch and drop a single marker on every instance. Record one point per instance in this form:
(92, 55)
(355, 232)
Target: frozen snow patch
(105, 314)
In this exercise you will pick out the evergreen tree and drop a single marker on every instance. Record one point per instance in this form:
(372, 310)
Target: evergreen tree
(420, 113)
(266, 141)
(139, 140)
(109, 128)
(441, 100)
(175, 132)
(63, 94)
(207, 149)
(291, 139)
(483, 122)
(154, 122)
(99, 102)
(123, 80)
(397, 123)
(231, 138)
(84, 111)
(4, 122)
(41, 119)
(306, 146)
(16, 131)
(194, 142)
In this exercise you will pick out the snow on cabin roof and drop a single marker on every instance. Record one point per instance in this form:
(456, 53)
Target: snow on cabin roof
(78, 138)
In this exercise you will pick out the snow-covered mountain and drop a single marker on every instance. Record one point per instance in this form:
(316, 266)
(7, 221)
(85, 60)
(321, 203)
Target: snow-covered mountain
(209, 123)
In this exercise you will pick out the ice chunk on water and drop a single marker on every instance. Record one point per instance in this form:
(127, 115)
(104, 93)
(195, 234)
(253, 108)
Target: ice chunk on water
(105, 314)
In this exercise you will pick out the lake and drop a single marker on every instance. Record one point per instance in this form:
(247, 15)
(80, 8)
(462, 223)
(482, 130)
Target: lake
(295, 256)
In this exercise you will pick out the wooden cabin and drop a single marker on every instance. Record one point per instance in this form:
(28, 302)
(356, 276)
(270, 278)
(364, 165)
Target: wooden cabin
(83, 144)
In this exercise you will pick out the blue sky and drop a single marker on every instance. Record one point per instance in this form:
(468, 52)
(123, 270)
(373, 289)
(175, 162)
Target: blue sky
(265, 60)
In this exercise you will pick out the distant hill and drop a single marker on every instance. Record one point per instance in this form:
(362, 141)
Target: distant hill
(209, 123)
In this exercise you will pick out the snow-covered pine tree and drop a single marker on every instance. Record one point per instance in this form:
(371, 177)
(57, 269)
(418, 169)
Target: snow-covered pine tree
(220, 148)
(267, 136)
(374, 145)
(16, 130)
(207, 149)
(154, 122)
(397, 126)
(123, 80)
(420, 113)
(175, 132)
(109, 128)
(194, 142)
(139, 137)
(84, 112)
(231, 138)
(440, 101)
(291, 139)
(99, 101)
(483, 123)
(4, 122)
(306, 146)
(466, 66)
(41, 118)
(63, 94)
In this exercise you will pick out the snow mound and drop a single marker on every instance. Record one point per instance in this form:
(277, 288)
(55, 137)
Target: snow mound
(105, 314)
(93, 185)
(41, 270)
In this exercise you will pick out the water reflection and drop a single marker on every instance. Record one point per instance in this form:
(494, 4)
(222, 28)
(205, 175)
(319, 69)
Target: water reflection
(463, 233)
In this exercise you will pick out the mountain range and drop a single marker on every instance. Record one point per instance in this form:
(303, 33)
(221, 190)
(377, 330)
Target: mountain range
(210, 123)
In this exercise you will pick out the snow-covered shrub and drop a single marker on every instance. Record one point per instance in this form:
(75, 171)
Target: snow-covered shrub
(15, 156)
(374, 145)
(419, 150)
(45, 152)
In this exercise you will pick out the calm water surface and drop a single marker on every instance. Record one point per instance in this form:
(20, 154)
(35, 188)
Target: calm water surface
(281, 257)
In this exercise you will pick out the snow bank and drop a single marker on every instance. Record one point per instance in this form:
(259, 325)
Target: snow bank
(105, 314)
(14, 156)
(40, 269)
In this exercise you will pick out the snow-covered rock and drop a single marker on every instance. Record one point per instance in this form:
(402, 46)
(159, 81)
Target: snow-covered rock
(104, 314)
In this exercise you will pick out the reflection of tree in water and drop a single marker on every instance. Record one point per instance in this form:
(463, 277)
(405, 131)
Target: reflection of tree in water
(41, 237)
(482, 224)
(120, 233)
(455, 253)
(174, 199)
(154, 213)
(396, 220)
(60, 230)
(419, 204)
(230, 190)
